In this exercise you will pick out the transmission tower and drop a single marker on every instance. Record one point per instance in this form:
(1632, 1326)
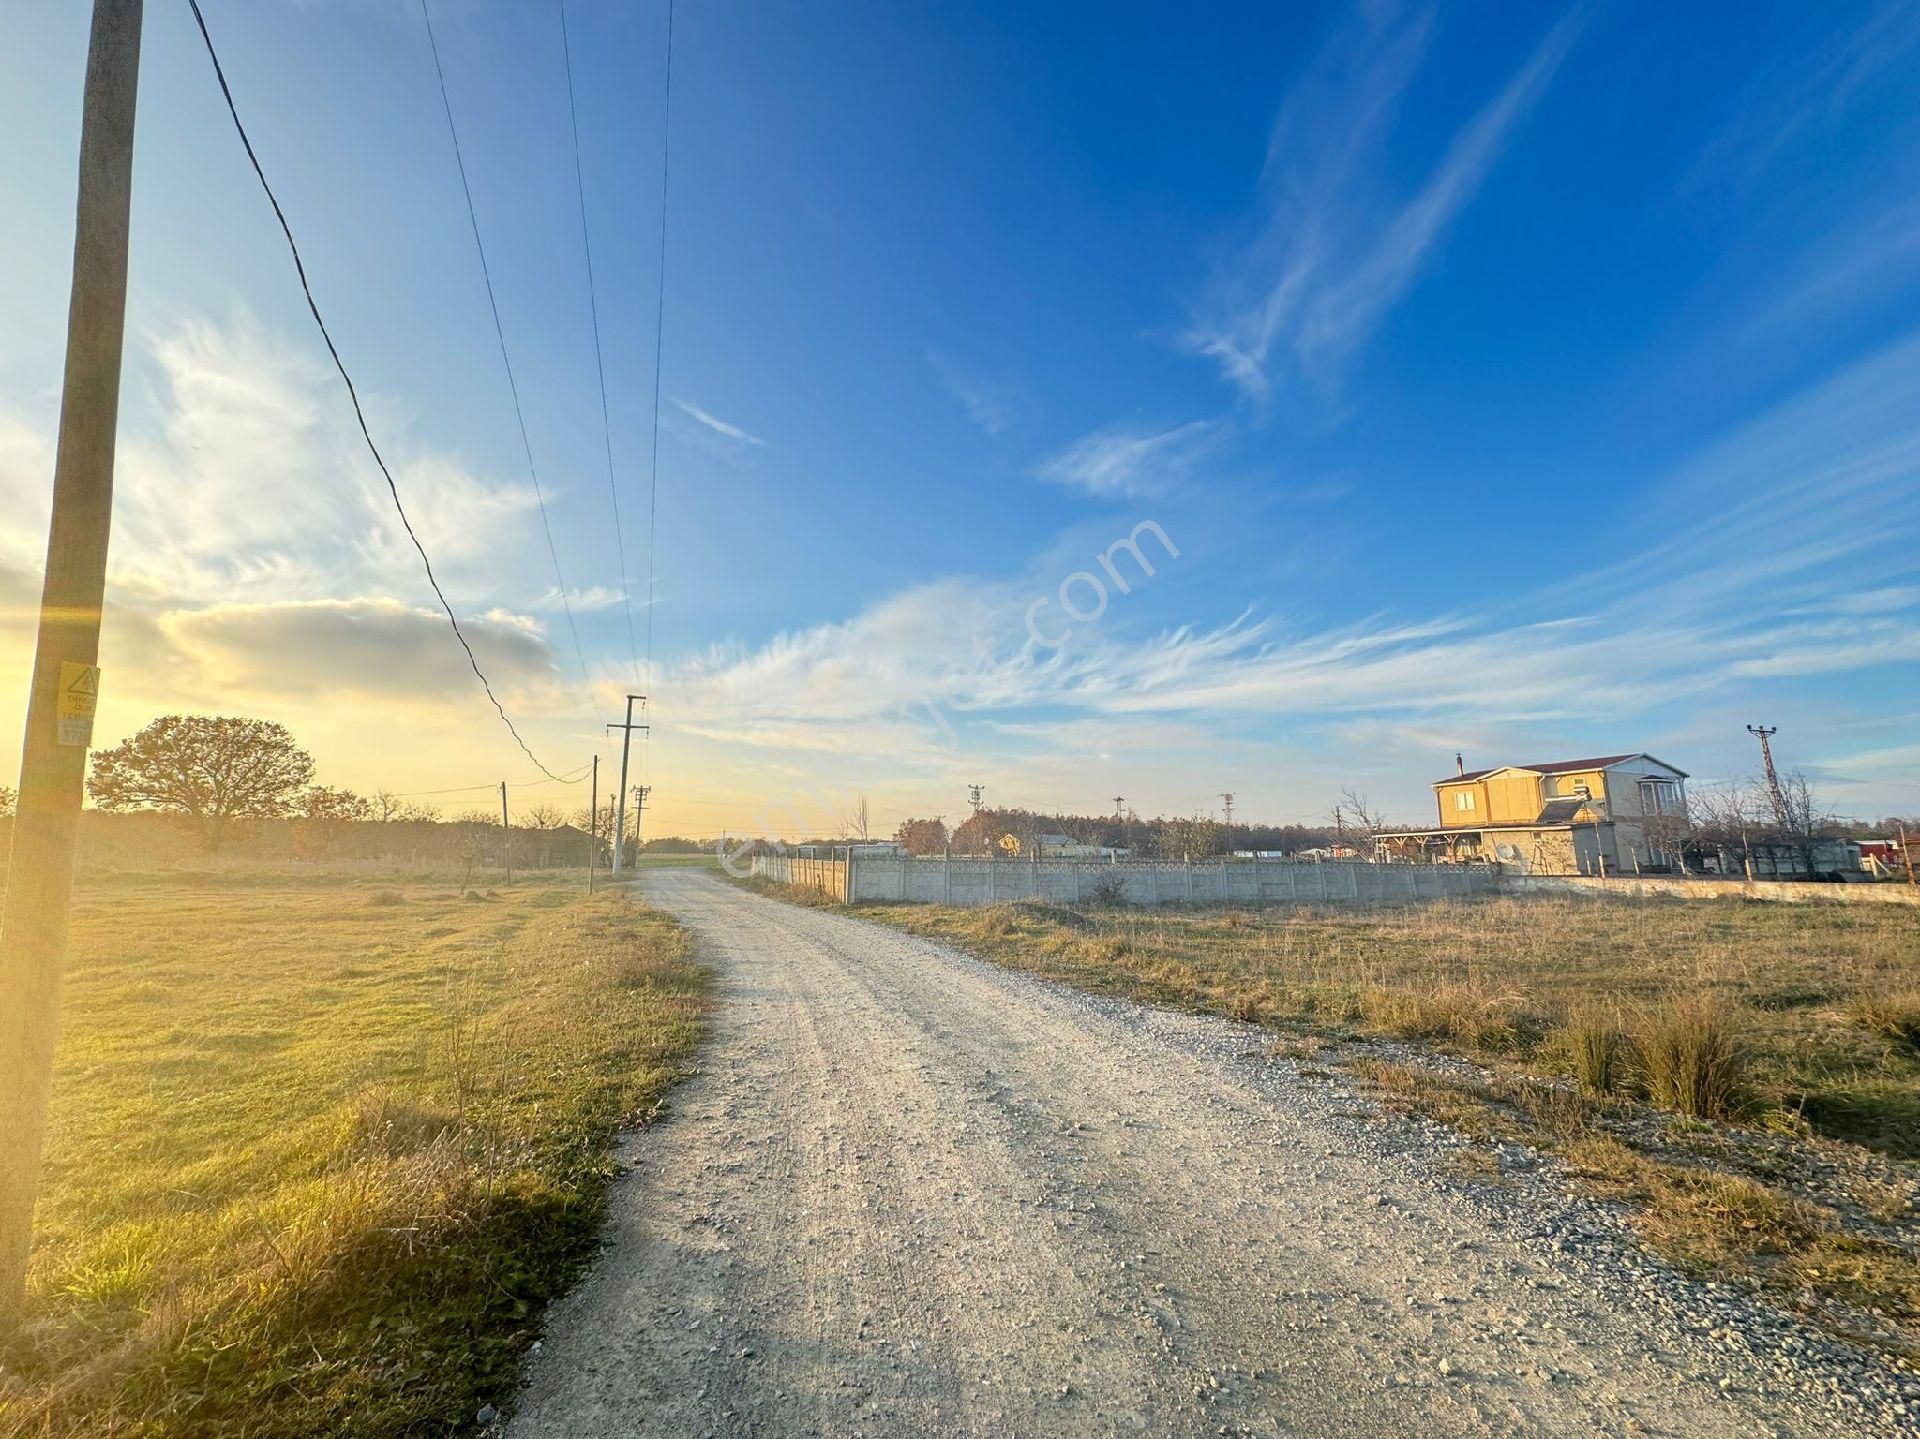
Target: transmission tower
(1763, 733)
(974, 792)
(1119, 806)
(1226, 807)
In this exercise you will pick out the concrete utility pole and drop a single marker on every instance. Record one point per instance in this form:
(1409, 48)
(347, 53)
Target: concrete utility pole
(619, 802)
(593, 824)
(1763, 733)
(640, 793)
(66, 677)
(506, 833)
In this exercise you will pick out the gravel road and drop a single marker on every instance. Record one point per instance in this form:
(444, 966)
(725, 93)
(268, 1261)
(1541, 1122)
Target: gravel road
(911, 1193)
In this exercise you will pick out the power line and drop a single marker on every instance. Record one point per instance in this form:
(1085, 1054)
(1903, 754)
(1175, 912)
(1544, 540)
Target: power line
(572, 777)
(659, 333)
(500, 334)
(353, 395)
(599, 360)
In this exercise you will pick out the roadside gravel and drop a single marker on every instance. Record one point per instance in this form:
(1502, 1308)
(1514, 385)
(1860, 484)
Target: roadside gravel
(912, 1193)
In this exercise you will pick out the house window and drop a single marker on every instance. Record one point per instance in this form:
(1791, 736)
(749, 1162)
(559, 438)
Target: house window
(1463, 799)
(1659, 796)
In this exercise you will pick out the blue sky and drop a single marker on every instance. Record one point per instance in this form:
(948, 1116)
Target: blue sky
(1511, 380)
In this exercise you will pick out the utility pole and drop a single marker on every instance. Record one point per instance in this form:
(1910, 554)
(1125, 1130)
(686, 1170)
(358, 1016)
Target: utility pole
(974, 794)
(640, 793)
(593, 824)
(1763, 733)
(1226, 808)
(619, 802)
(53, 762)
(506, 834)
(1906, 853)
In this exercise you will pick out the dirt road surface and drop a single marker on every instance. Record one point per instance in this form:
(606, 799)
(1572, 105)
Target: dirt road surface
(911, 1193)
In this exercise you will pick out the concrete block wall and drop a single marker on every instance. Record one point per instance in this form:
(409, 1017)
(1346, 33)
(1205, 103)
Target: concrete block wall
(829, 876)
(991, 881)
(1788, 891)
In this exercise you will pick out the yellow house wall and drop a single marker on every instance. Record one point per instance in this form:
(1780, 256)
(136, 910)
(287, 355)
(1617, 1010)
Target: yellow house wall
(1513, 798)
(1452, 816)
(1566, 786)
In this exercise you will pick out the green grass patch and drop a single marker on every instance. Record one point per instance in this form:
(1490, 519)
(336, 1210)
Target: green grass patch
(319, 1152)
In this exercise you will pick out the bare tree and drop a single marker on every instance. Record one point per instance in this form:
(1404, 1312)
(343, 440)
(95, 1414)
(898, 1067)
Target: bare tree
(1356, 822)
(854, 823)
(543, 816)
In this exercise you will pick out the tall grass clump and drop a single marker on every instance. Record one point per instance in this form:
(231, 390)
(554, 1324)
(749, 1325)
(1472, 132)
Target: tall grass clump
(1692, 1061)
(1895, 1015)
(1598, 1049)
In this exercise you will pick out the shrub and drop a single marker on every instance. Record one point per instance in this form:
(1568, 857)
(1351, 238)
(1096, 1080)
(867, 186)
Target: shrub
(1104, 889)
(1691, 1060)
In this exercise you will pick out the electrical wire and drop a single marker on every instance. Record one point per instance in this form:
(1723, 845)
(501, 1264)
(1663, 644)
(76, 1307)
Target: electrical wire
(659, 333)
(353, 394)
(500, 334)
(572, 777)
(599, 358)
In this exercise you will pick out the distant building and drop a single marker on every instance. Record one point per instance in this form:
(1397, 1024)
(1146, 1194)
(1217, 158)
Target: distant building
(1609, 814)
(1065, 846)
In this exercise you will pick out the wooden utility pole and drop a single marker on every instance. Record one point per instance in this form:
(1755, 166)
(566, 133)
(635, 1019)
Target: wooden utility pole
(619, 795)
(1906, 853)
(506, 834)
(53, 761)
(593, 824)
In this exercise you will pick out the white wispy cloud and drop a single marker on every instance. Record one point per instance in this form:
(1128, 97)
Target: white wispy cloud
(718, 426)
(1818, 498)
(1122, 461)
(993, 405)
(582, 601)
(1330, 260)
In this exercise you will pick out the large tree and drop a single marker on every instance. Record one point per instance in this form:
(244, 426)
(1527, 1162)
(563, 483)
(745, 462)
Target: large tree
(213, 769)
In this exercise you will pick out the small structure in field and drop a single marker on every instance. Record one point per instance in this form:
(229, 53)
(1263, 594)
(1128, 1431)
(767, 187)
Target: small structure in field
(1605, 815)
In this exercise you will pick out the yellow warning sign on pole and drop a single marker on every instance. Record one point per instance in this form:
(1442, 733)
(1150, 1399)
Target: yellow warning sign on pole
(79, 695)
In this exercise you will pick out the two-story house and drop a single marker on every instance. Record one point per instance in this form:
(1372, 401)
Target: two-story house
(1610, 814)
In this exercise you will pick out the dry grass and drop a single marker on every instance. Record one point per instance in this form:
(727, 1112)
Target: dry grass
(1691, 1059)
(1597, 1048)
(319, 1151)
(1819, 997)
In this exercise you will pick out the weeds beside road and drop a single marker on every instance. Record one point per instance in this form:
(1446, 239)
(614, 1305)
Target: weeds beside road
(320, 1148)
(1744, 1078)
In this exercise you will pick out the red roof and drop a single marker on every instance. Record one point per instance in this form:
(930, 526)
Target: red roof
(1558, 766)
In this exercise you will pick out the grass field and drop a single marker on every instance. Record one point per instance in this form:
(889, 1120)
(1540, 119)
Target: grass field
(321, 1147)
(1744, 1078)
